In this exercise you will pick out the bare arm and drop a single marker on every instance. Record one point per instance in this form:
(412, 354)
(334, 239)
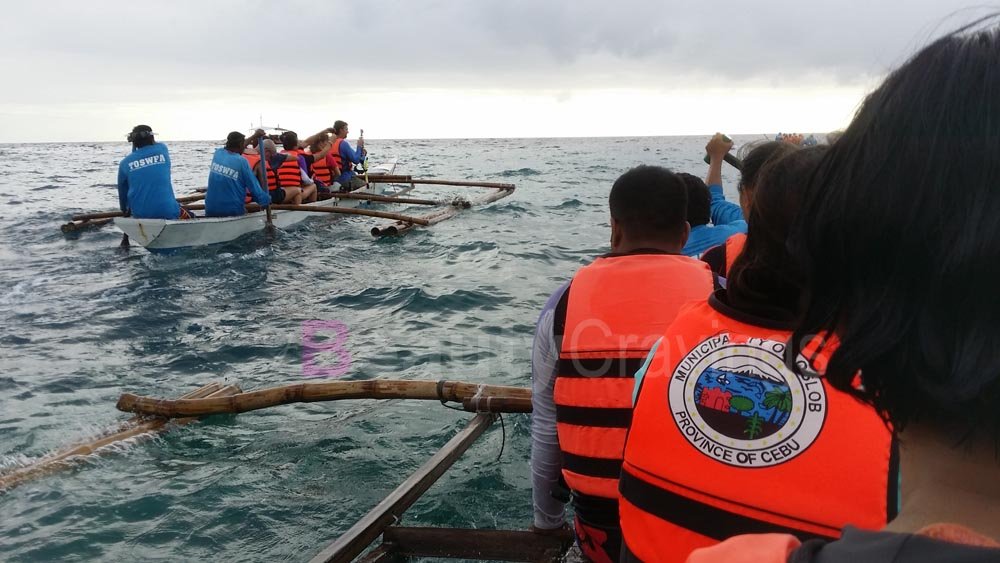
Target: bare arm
(315, 138)
(253, 138)
(717, 148)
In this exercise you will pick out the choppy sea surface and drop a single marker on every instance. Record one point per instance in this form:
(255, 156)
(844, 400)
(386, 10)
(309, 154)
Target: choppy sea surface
(81, 322)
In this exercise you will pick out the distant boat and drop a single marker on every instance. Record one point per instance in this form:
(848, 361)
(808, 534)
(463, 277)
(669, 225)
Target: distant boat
(165, 234)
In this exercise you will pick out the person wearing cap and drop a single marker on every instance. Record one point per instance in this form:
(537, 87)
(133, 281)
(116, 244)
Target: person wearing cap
(230, 179)
(144, 187)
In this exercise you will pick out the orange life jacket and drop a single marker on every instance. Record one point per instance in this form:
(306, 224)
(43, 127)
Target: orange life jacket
(253, 159)
(290, 173)
(344, 165)
(612, 313)
(725, 440)
(322, 172)
(732, 249)
(273, 181)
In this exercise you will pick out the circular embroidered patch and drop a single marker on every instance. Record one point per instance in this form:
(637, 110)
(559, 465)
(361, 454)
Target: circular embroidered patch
(736, 402)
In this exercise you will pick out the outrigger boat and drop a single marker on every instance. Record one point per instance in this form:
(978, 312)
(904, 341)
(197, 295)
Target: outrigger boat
(166, 234)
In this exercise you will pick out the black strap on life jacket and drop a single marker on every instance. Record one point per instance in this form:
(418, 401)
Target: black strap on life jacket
(700, 518)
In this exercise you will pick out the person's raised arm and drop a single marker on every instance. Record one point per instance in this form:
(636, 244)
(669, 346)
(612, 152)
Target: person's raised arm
(252, 139)
(717, 148)
(313, 139)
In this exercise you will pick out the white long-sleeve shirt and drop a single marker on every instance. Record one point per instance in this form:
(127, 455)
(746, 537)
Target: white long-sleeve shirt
(546, 458)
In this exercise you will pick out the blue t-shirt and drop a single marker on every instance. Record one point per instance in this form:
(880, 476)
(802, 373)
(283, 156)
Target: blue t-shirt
(229, 180)
(144, 184)
(727, 220)
(348, 157)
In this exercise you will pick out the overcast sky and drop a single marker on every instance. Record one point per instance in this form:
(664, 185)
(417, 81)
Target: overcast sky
(76, 71)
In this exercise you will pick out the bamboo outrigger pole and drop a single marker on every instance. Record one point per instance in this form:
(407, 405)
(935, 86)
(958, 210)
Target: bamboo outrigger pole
(400, 227)
(134, 428)
(87, 220)
(443, 391)
(349, 211)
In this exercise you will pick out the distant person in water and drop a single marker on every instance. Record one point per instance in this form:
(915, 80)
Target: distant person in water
(346, 158)
(707, 203)
(144, 187)
(898, 243)
(230, 179)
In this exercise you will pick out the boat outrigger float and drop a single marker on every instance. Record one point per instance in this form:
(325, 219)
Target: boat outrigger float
(359, 542)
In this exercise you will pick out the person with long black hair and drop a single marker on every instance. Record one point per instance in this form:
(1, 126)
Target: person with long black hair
(899, 242)
(725, 438)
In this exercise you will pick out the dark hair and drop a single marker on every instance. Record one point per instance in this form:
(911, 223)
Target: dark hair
(699, 208)
(338, 125)
(236, 141)
(289, 140)
(765, 279)
(141, 136)
(649, 202)
(899, 240)
(755, 156)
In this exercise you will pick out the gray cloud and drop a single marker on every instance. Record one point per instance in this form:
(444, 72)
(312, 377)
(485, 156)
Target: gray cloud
(64, 51)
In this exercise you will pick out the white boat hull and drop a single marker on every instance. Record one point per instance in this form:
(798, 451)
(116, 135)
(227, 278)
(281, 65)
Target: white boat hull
(165, 234)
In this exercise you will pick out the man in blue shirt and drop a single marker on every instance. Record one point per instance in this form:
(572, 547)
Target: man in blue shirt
(709, 203)
(144, 188)
(347, 158)
(230, 179)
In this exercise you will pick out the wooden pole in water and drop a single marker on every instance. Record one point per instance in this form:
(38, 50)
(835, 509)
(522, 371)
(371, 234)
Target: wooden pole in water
(388, 199)
(133, 428)
(350, 211)
(85, 224)
(398, 228)
(313, 392)
(464, 184)
(362, 534)
(111, 214)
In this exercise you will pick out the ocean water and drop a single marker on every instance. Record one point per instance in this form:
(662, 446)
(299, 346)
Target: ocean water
(82, 322)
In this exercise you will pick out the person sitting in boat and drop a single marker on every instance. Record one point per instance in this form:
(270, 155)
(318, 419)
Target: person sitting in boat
(719, 419)
(324, 166)
(230, 179)
(316, 161)
(284, 176)
(144, 187)
(346, 158)
(708, 203)
(911, 297)
(593, 334)
(287, 173)
(755, 156)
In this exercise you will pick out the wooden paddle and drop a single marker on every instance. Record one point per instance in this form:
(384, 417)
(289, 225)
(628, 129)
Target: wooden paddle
(268, 225)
